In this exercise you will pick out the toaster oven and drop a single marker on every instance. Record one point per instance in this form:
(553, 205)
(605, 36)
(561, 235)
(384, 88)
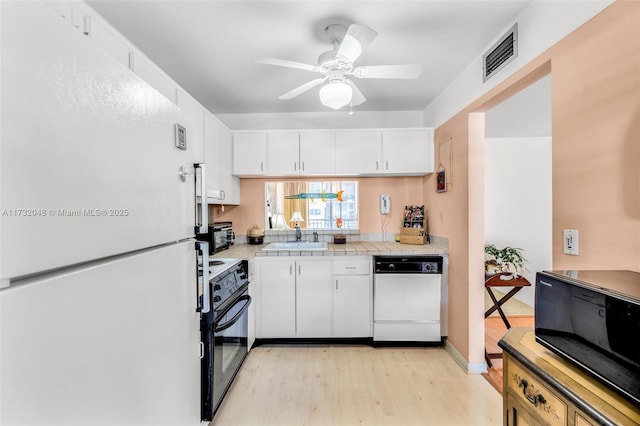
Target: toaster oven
(220, 237)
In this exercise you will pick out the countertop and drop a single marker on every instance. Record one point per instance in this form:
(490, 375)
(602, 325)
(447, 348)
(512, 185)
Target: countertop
(359, 248)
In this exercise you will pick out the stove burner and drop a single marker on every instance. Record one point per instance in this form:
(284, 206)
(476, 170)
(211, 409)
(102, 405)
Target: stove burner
(216, 262)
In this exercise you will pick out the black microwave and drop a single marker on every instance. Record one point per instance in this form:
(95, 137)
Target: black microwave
(220, 236)
(592, 319)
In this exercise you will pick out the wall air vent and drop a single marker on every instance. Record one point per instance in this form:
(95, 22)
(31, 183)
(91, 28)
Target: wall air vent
(500, 54)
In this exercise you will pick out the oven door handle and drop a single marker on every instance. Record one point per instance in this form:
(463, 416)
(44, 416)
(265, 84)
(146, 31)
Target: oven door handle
(217, 327)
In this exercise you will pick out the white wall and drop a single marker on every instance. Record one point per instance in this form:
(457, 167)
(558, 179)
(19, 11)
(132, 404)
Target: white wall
(525, 114)
(518, 201)
(322, 120)
(540, 26)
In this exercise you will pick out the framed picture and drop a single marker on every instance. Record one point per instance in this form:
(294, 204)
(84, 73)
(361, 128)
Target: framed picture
(441, 181)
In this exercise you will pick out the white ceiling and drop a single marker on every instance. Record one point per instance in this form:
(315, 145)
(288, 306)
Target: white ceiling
(209, 47)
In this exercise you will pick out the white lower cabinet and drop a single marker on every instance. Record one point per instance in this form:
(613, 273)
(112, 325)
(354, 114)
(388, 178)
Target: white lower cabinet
(352, 297)
(313, 299)
(302, 298)
(251, 329)
(277, 299)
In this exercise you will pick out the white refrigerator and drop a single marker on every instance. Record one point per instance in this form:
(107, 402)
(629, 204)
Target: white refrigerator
(98, 270)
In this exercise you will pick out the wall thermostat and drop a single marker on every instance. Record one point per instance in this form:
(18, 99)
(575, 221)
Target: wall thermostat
(181, 137)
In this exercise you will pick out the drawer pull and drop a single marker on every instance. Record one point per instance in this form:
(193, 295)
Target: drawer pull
(534, 399)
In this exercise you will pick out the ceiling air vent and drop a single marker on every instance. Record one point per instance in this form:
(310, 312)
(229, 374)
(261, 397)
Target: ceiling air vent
(501, 53)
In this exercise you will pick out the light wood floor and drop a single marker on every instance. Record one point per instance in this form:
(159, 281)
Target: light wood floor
(519, 315)
(357, 385)
(494, 329)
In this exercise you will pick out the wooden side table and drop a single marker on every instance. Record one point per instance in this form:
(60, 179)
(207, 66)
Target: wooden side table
(502, 280)
(542, 388)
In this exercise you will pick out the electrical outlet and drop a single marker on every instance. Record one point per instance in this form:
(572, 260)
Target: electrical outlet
(570, 241)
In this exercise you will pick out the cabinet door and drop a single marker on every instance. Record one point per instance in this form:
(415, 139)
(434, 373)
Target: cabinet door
(230, 184)
(357, 152)
(254, 283)
(212, 156)
(150, 73)
(316, 152)
(313, 299)
(407, 152)
(518, 415)
(283, 153)
(249, 154)
(277, 299)
(351, 306)
(195, 133)
(103, 36)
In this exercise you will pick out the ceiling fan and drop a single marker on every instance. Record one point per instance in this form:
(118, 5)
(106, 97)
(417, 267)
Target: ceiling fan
(337, 65)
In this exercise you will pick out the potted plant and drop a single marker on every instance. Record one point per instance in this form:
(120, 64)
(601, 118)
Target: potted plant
(508, 260)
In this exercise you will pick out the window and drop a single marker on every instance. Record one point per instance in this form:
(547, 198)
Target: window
(322, 205)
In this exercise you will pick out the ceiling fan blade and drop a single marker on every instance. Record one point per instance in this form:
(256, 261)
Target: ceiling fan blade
(357, 98)
(301, 89)
(355, 40)
(408, 71)
(286, 63)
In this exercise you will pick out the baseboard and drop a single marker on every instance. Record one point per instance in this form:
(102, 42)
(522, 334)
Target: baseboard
(468, 367)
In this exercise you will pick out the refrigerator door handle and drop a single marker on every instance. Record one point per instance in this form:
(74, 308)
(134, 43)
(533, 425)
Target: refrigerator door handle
(202, 226)
(204, 307)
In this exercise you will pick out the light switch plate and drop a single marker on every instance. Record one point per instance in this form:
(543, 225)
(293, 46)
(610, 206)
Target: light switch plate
(570, 241)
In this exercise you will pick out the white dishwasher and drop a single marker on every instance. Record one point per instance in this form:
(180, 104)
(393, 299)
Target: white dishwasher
(406, 298)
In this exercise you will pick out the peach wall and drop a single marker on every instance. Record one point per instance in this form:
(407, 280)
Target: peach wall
(596, 141)
(448, 217)
(595, 154)
(403, 191)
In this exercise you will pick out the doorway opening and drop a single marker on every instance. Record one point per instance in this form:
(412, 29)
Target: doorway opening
(518, 202)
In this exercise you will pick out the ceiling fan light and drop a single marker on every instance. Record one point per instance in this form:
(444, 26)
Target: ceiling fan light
(336, 94)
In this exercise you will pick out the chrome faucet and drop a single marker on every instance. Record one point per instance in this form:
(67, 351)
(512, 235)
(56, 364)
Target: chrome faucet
(315, 237)
(298, 233)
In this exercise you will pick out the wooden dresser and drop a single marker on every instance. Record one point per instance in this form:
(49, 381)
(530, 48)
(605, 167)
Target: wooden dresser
(540, 388)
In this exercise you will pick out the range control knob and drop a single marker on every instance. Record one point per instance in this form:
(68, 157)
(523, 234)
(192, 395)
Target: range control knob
(216, 287)
(216, 298)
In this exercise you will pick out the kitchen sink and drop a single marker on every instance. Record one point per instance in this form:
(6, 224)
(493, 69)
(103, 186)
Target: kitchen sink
(296, 245)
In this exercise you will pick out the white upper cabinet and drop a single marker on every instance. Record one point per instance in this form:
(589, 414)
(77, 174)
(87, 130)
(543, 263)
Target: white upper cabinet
(89, 23)
(357, 152)
(212, 156)
(195, 132)
(104, 37)
(316, 153)
(407, 151)
(283, 153)
(229, 184)
(353, 152)
(299, 153)
(222, 187)
(250, 153)
(150, 73)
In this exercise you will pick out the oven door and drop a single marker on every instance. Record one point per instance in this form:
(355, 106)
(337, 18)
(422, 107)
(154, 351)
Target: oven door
(229, 328)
